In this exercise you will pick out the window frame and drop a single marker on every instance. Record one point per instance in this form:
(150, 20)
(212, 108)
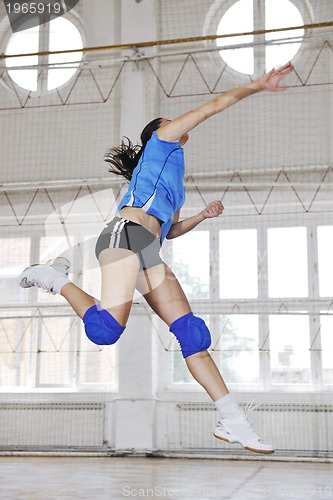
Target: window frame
(35, 309)
(220, 7)
(312, 306)
(42, 78)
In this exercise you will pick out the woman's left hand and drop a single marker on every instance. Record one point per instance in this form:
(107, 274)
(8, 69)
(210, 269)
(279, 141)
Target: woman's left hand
(213, 209)
(271, 80)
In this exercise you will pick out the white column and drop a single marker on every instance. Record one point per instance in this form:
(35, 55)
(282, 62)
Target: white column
(135, 405)
(137, 25)
(134, 410)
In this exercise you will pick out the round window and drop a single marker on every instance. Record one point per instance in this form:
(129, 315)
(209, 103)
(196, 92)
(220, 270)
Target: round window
(240, 52)
(40, 72)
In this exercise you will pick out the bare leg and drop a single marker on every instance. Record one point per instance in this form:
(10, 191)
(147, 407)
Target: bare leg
(163, 293)
(79, 300)
(119, 270)
(205, 371)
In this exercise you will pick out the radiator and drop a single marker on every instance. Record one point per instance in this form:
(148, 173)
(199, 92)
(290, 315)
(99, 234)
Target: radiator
(288, 426)
(51, 425)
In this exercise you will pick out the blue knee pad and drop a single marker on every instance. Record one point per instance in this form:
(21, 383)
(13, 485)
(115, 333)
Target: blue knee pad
(101, 327)
(192, 334)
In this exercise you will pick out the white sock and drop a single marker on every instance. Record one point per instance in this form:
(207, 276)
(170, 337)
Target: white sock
(59, 283)
(227, 406)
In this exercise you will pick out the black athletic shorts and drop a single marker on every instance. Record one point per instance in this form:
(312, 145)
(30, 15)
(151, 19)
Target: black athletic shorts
(121, 233)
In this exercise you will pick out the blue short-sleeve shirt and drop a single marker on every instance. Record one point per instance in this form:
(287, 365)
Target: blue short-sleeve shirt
(157, 184)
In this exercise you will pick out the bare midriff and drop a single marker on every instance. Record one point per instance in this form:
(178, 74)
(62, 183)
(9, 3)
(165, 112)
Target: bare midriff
(139, 216)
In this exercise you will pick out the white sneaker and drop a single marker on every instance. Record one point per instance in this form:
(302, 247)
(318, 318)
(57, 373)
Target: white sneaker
(43, 275)
(61, 264)
(238, 429)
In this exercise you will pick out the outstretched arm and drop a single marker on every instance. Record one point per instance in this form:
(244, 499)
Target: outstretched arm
(173, 130)
(213, 209)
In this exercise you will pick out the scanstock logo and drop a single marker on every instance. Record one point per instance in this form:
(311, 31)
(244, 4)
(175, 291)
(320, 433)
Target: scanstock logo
(25, 14)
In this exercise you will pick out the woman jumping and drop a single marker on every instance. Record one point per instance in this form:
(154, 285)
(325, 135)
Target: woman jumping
(128, 251)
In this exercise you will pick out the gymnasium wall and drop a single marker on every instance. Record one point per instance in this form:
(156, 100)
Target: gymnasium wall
(269, 159)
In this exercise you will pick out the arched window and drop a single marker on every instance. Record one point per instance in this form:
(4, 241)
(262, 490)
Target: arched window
(246, 53)
(47, 72)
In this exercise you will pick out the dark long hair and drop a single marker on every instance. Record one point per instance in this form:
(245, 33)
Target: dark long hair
(124, 158)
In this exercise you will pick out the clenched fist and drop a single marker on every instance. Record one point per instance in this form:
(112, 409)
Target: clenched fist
(213, 209)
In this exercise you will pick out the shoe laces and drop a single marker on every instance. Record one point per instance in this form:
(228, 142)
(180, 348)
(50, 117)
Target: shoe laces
(252, 406)
(243, 414)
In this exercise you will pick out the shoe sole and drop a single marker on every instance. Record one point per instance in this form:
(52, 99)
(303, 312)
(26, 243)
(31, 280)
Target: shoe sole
(265, 452)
